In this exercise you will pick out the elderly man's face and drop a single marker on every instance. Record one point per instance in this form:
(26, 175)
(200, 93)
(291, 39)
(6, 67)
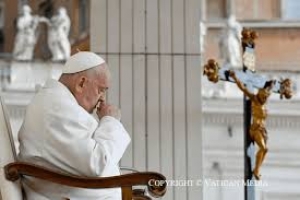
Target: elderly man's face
(94, 91)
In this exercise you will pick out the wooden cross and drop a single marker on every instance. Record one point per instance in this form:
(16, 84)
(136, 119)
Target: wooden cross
(254, 104)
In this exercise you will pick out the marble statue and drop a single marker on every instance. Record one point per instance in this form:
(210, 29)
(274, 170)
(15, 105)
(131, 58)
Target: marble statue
(26, 35)
(230, 43)
(58, 35)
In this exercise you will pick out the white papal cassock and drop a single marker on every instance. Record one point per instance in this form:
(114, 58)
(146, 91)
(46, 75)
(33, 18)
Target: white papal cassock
(58, 133)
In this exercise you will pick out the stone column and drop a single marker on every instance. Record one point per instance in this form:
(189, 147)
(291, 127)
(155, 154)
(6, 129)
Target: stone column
(152, 49)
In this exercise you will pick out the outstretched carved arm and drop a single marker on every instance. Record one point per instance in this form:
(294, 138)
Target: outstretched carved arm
(240, 84)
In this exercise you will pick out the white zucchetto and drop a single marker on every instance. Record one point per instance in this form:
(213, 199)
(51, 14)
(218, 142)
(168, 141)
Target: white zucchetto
(81, 61)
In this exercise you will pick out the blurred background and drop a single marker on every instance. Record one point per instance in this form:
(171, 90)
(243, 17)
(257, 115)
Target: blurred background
(277, 23)
(20, 79)
(181, 125)
(78, 11)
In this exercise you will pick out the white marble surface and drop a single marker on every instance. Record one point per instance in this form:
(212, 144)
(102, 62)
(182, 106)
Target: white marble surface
(27, 76)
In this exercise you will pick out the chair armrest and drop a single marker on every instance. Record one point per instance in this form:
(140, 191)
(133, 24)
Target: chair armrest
(15, 170)
(140, 194)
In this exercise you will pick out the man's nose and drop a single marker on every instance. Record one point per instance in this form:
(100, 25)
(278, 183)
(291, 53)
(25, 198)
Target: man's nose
(102, 99)
(103, 96)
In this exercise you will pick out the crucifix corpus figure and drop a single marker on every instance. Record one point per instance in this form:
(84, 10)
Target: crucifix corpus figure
(258, 132)
(247, 80)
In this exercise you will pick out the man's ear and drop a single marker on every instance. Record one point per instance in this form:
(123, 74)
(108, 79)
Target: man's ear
(80, 84)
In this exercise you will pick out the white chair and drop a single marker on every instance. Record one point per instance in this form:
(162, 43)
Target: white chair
(11, 171)
(8, 189)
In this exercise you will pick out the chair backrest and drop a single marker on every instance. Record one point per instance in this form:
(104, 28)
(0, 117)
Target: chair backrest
(8, 190)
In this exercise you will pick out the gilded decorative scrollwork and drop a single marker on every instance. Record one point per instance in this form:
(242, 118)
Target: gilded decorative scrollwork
(211, 70)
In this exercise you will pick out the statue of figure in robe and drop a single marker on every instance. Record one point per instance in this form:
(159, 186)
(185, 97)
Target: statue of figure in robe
(26, 35)
(58, 35)
(230, 44)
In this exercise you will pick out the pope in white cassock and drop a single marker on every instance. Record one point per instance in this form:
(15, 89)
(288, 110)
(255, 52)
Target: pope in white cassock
(60, 131)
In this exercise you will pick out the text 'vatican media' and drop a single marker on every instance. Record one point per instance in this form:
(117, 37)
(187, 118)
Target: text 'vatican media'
(208, 183)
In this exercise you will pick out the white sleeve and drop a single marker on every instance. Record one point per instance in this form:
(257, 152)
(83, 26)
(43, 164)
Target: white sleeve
(73, 147)
(113, 137)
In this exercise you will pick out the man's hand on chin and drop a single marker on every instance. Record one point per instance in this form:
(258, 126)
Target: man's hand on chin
(108, 110)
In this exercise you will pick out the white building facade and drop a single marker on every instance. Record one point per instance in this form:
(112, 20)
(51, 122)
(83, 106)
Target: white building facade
(223, 146)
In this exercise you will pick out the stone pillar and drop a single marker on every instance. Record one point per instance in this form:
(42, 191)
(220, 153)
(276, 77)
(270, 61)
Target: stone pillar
(152, 49)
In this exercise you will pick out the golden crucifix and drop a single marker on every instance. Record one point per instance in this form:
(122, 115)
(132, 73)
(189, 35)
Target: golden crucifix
(247, 80)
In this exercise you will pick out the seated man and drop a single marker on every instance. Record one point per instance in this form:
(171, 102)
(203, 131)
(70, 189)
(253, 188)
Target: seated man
(60, 132)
